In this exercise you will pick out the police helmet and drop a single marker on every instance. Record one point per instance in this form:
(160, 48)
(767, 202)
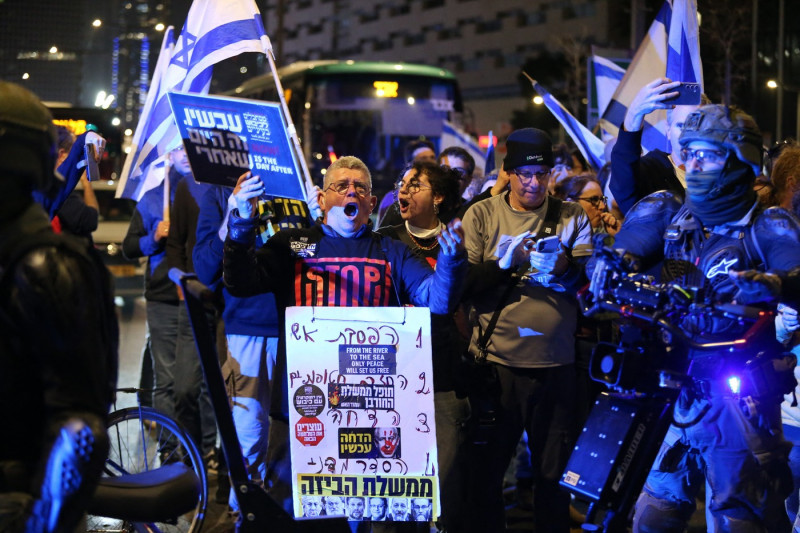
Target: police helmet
(27, 137)
(727, 126)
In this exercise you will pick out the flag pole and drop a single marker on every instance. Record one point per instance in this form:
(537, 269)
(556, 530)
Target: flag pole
(166, 191)
(290, 127)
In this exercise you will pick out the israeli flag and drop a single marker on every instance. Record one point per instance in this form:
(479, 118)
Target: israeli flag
(587, 142)
(455, 136)
(671, 48)
(214, 30)
(607, 76)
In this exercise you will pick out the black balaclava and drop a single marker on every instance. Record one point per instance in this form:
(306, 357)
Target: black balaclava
(720, 196)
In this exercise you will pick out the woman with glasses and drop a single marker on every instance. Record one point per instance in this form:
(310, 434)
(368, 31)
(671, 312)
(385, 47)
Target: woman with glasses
(425, 191)
(586, 190)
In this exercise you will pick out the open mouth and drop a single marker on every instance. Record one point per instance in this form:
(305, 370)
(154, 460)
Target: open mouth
(351, 209)
(403, 204)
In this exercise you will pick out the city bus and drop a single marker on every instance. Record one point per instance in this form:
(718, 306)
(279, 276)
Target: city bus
(363, 108)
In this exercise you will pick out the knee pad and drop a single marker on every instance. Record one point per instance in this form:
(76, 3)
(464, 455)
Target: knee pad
(654, 515)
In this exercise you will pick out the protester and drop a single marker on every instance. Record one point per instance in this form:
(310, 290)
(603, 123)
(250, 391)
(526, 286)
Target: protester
(586, 190)
(251, 323)
(284, 266)
(190, 395)
(416, 150)
(785, 192)
(147, 237)
(425, 191)
(79, 213)
(528, 350)
(58, 337)
(719, 229)
(634, 176)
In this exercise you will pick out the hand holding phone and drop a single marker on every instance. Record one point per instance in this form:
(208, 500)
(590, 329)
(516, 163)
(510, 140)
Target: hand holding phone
(548, 245)
(688, 94)
(90, 158)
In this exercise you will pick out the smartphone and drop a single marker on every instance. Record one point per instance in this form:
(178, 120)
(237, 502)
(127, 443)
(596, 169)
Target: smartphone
(688, 94)
(548, 245)
(92, 172)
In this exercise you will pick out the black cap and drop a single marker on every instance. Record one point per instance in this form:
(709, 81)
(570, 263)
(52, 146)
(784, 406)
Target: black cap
(528, 146)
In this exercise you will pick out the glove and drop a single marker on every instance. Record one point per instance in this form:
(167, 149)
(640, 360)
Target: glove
(755, 287)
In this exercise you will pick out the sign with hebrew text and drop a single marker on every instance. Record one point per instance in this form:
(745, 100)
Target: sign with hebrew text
(361, 416)
(225, 137)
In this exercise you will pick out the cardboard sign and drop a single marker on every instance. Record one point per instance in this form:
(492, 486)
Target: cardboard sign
(225, 137)
(361, 411)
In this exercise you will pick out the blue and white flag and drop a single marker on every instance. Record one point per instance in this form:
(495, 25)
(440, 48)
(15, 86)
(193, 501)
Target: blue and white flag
(214, 30)
(671, 48)
(607, 76)
(139, 143)
(587, 142)
(454, 136)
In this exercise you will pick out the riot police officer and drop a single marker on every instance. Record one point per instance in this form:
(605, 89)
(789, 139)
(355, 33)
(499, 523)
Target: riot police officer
(702, 242)
(58, 337)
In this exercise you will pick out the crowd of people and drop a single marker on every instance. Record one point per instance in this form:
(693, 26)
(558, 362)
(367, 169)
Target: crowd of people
(498, 266)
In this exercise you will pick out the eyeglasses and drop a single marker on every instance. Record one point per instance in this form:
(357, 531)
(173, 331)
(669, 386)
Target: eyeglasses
(704, 155)
(341, 187)
(412, 187)
(528, 176)
(594, 200)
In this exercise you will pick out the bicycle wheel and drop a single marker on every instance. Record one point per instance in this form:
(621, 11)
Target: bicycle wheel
(143, 439)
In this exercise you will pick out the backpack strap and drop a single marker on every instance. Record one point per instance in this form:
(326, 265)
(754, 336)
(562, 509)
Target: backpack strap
(551, 218)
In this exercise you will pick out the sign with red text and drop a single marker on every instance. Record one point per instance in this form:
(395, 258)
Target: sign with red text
(361, 413)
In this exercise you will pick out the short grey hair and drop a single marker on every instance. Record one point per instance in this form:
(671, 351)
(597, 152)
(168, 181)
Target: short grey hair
(351, 162)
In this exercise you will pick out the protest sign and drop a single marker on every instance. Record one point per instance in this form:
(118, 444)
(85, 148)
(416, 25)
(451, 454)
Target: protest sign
(225, 137)
(361, 407)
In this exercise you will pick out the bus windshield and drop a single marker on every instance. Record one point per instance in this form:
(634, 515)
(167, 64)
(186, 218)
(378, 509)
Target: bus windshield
(367, 109)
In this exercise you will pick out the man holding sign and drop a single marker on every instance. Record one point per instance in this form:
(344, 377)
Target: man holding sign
(340, 262)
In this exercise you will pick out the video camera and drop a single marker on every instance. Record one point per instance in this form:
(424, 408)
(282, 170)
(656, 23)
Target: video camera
(665, 346)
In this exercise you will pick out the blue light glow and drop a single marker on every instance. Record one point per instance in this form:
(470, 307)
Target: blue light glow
(735, 384)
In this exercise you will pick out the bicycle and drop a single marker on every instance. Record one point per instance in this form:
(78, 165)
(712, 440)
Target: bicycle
(154, 478)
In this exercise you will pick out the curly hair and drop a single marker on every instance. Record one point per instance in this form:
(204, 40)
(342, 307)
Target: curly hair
(786, 166)
(444, 181)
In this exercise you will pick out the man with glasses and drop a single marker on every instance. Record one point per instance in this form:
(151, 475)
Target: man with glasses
(339, 262)
(703, 242)
(529, 298)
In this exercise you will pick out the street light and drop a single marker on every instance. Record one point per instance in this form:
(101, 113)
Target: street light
(772, 84)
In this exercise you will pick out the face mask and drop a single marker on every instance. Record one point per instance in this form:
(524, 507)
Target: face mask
(720, 196)
(700, 184)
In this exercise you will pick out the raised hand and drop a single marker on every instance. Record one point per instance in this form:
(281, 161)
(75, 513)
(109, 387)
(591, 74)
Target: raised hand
(248, 189)
(451, 239)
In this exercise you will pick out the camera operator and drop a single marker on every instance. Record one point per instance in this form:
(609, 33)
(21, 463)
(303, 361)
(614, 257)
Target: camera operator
(719, 229)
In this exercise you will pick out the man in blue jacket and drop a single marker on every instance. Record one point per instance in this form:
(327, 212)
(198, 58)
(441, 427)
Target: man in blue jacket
(251, 323)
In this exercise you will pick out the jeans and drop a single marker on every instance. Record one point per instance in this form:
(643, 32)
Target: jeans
(162, 322)
(178, 378)
(192, 402)
(248, 378)
(452, 414)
